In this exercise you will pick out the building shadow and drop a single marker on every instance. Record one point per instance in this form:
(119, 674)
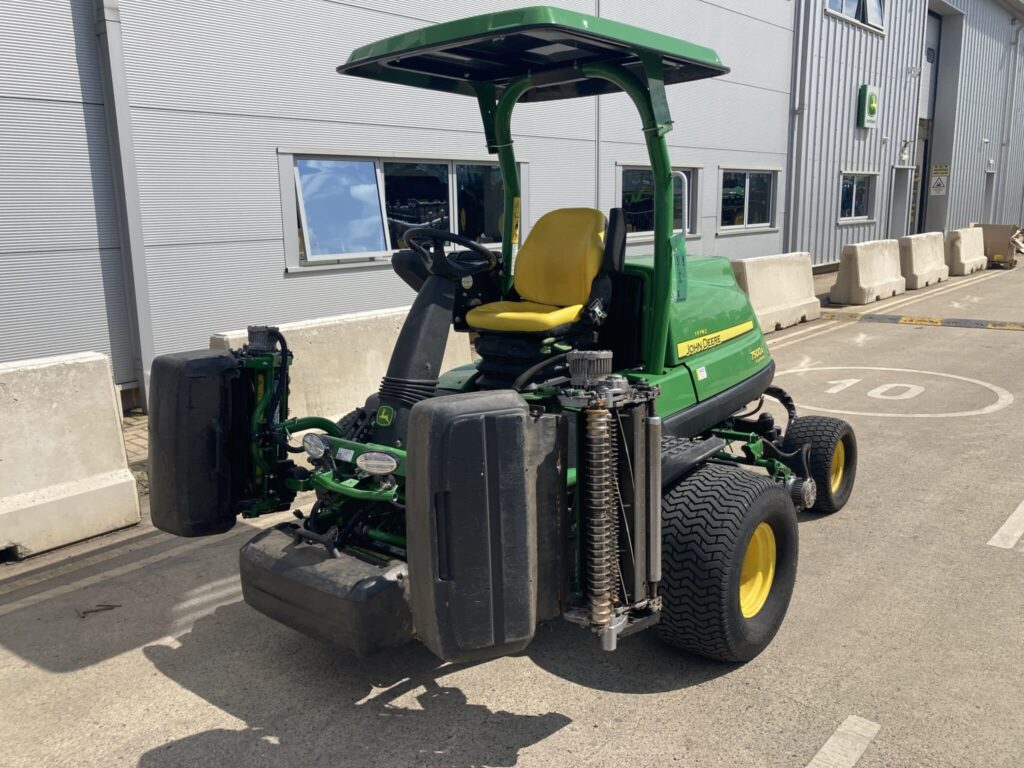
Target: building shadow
(307, 704)
(131, 576)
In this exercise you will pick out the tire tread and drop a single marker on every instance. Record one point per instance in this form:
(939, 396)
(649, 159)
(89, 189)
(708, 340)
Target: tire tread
(702, 517)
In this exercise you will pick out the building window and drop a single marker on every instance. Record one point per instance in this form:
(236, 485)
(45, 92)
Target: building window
(747, 199)
(856, 197)
(356, 209)
(637, 200)
(415, 195)
(868, 12)
(481, 198)
(339, 208)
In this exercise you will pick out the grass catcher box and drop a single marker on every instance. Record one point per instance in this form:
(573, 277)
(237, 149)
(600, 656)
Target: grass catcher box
(196, 404)
(472, 520)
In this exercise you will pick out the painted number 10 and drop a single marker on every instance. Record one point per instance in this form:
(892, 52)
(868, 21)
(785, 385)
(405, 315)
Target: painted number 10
(883, 392)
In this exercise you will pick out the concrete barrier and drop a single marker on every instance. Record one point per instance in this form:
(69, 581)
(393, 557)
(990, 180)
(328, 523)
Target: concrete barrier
(965, 251)
(868, 272)
(780, 287)
(339, 361)
(64, 475)
(923, 260)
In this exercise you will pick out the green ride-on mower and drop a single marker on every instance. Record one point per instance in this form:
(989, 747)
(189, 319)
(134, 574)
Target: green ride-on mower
(592, 464)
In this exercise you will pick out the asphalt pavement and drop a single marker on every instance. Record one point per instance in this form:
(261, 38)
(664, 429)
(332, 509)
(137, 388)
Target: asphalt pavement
(903, 646)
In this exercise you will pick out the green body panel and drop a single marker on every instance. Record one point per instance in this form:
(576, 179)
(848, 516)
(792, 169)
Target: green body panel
(713, 303)
(496, 48)
(458, 379)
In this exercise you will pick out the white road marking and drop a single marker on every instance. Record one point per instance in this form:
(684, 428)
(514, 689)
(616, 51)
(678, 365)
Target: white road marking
(846, 746)
(1008, 536)
(883, 307)
(814, 328)
(103, 576)
(1003, 398)
(821, 331)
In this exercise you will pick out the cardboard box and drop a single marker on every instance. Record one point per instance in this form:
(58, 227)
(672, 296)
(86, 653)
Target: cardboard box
(1003, 242)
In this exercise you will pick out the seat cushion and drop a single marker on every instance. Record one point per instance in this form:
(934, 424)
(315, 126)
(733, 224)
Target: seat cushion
(521, 316)
(561, 257)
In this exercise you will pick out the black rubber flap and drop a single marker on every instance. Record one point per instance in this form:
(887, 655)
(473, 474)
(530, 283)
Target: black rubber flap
(192, 415)
(357, 605)
(471, 518)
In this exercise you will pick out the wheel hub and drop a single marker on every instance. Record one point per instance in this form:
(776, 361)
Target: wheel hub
(838, 466)
(758, 571)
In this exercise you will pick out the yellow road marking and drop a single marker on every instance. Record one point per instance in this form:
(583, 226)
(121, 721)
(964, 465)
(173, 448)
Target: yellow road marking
(912, 320)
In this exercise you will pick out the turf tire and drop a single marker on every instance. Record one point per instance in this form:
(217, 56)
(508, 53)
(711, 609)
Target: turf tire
(353, 423)
(824, 433)
(707, 521)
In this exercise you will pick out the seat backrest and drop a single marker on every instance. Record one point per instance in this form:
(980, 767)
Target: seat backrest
(561, 257)
(615, 241)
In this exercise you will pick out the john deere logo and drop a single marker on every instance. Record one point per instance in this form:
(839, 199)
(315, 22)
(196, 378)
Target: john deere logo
(385, 415)
(868, 107)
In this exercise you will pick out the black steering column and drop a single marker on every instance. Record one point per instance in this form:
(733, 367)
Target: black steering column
(419, 351)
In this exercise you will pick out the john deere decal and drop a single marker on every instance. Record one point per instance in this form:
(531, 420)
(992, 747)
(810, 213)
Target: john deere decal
(385, 415)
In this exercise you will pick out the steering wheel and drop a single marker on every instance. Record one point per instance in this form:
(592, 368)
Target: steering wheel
(476, 260)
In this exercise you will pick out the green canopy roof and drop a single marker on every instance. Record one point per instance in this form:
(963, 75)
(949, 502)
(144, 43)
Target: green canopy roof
(550, 44)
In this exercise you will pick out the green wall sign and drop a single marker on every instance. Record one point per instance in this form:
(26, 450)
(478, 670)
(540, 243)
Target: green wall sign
(867, 109)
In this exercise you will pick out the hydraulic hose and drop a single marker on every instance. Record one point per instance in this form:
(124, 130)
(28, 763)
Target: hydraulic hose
(524, 378)
(275, 401)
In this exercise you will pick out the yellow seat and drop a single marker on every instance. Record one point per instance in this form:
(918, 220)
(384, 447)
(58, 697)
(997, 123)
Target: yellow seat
(554, 271)
(522, 316)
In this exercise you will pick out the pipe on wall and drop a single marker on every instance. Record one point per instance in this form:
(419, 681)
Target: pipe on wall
(798, 111)
(1009, 113)
(117, 110)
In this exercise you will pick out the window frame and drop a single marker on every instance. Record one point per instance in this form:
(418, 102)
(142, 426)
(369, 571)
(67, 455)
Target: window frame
(772, 225)
(693, 199)
(856, 20)
(300, 213)
(871, 217)
(293, 214)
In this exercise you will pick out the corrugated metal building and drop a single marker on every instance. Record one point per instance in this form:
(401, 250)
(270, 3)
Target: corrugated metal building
(945, 147)
(168, 170)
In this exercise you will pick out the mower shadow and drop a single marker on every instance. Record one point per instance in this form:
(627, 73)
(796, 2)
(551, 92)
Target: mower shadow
(306, 704)
(641, 664)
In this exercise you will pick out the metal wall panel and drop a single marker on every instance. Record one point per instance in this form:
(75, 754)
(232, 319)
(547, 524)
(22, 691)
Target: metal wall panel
(63, 301)
(278, 59)
(840, 57)
(986, 79)
(61, 288)
(48, 50)
(739, 120)
(210, 110)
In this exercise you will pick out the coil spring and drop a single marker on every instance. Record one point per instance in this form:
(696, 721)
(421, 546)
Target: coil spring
(602, 536)
(614, 501)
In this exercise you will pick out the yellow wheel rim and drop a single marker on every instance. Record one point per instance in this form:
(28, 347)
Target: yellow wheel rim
(758, 571)
(838, 466)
